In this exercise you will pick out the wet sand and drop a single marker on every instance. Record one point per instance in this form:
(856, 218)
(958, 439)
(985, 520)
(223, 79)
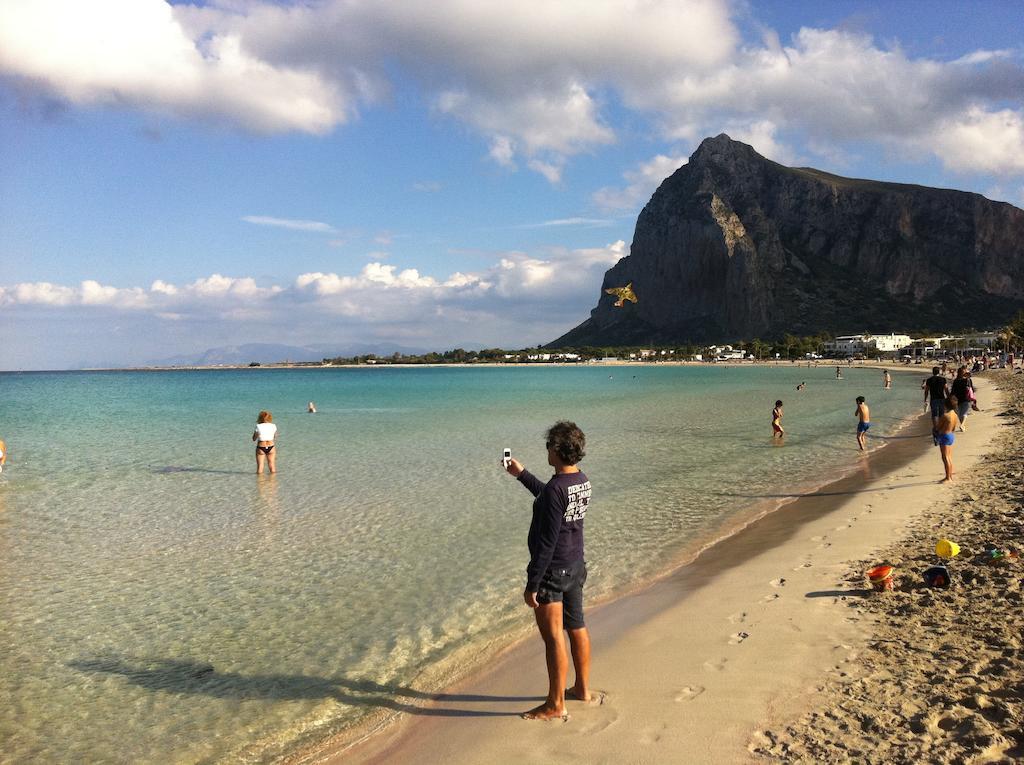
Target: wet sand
(693, 667)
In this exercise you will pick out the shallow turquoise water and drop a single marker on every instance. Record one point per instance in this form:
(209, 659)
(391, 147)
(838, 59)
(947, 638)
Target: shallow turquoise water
(163, 604)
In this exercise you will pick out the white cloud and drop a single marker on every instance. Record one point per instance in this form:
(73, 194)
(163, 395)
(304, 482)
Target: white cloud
(213, 291)
(641, 183)
(984, 56)
(502, 151)
(523, 74)
(296, 225)
(761, 135)
(560, 282)
(41, 293)
(521, 299)
(540, 82)
(137, 53)
(551, 171)
(983, 141)
(427, 187)
(835, 88)
(569, 222)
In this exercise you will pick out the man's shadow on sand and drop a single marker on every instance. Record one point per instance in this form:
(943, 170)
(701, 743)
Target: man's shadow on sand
(189, 677)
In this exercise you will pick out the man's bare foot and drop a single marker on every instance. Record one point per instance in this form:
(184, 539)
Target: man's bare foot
(595, 698)
(946, 480)
(576, 695)
(545, 712)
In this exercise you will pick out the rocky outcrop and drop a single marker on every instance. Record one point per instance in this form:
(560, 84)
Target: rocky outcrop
(735, 246)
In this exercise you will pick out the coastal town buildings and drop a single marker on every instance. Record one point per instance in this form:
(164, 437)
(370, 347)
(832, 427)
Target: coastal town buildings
(850, 345)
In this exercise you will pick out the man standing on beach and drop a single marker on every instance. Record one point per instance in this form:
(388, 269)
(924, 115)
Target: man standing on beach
(557, 571)
(863, 422)
(935, 388)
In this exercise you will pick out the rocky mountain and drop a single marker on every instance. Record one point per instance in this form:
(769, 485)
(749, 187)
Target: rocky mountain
(734, 246)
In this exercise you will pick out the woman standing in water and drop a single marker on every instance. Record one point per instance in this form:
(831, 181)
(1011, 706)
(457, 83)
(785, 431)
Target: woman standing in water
(264, 435)
(557, 571)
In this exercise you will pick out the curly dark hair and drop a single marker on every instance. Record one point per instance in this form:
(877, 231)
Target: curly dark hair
(568, 441)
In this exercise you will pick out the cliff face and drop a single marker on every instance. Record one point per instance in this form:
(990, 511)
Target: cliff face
(733, 246)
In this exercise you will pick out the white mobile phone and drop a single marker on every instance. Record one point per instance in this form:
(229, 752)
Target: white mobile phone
(506, 457)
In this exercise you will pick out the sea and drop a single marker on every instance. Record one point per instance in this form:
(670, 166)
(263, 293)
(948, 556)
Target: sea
(160, 602)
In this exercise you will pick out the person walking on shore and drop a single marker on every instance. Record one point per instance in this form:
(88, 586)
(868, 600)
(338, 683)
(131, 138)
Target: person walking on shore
(944, 436)
(863, 422)
(963, 389)
(557, 570)
(264, 435)
(777, 431)
(936, 389)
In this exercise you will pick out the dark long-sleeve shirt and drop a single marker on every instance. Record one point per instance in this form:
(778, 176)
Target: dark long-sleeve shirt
(556, 530)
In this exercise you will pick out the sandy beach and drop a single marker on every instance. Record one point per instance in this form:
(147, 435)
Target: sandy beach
(771, 646)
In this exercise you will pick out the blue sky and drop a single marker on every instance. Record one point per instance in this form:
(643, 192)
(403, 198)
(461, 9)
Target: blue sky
(180, 177)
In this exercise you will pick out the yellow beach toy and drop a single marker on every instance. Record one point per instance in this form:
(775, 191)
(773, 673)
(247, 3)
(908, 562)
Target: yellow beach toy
(946, 549)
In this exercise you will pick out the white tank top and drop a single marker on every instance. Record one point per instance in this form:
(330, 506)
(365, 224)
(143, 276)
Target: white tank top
(267, 431)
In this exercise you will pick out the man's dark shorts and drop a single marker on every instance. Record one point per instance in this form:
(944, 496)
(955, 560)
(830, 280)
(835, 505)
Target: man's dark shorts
(938, 407)
(565, 585)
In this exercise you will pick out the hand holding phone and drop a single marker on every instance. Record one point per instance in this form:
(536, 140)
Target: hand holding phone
(506, 458)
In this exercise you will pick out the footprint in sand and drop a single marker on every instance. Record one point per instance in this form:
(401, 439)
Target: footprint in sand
(690, 692)
(738, 618)
(588, 725)
(802, 566)
(815, 539)
(715, 666)
(738, 638)
(840, 528)
(769, 598)
(652, 735)
(780, 582)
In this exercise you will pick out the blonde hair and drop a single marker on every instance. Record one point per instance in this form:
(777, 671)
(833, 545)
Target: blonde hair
(265, 416)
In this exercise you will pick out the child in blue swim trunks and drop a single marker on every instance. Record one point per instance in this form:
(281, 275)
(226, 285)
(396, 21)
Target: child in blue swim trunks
(863, 422)
(944, 436)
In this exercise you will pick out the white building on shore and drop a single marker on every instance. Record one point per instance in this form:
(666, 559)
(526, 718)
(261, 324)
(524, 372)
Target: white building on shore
(850, 345)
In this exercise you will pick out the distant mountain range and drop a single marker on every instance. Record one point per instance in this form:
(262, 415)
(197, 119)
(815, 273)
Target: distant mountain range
(269, 353)
(734, 246)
